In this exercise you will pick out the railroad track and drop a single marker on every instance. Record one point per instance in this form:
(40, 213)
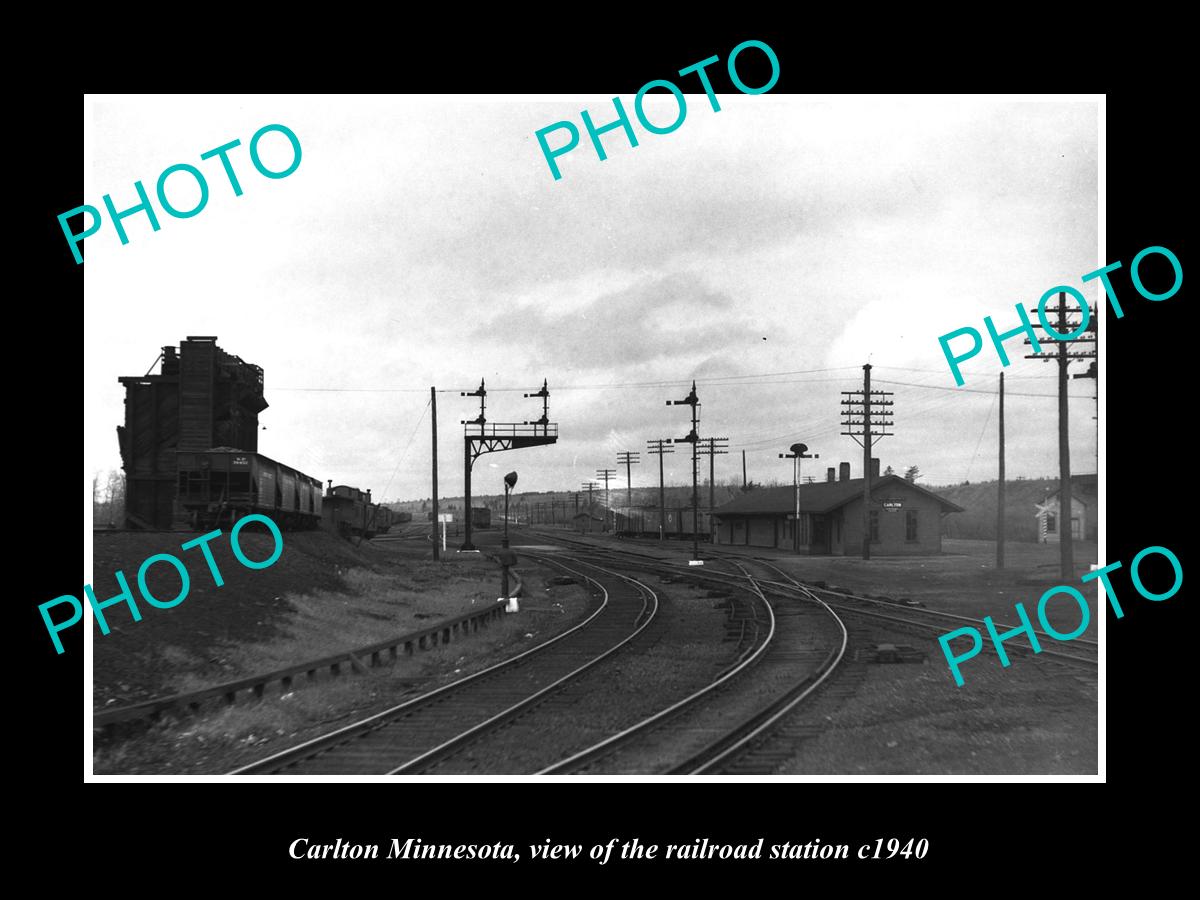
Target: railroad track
(767, 737)
(1085, 652)
(417, 735)
(796, 649)
(926, 622)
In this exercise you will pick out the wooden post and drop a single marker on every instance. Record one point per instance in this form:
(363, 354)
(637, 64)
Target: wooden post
(437, 551)
(1000, 490)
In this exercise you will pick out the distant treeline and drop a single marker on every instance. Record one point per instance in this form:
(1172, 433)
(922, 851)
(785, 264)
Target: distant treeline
(676, 496)
(977, 521)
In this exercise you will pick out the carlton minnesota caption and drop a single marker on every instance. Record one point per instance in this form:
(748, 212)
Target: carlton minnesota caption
(413, 848)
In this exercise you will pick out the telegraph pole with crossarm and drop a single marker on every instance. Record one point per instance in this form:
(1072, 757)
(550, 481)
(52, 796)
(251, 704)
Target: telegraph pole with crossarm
(606, 475)
(713, 447)
(660, 447)
(627, 459)
(866, 414)
(1067, 333)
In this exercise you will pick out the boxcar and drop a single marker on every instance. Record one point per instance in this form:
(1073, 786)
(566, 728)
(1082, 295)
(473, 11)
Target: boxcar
(217, 487)
(645, 521)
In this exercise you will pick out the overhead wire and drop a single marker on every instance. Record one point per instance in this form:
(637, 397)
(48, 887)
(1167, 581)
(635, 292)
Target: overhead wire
(982, 431)
(404, 452)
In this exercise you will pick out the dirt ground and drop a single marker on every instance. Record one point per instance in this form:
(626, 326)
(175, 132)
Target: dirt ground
(218, 741)
(1032, 718)
(322, 595)
(962, 580)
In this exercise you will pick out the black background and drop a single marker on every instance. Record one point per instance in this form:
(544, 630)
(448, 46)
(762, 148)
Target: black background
(985, 831)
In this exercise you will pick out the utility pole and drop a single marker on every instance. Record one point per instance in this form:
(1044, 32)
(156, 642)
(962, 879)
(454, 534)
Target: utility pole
(860, 422)
(743, 468)
(660, 447)
(1066, 502)
(713, 447)
(628, 459)
(867, 461)
(1000, 491)
(1067, 332)
(692, 438)
(606, 475)
(589, 486)
(437, 550)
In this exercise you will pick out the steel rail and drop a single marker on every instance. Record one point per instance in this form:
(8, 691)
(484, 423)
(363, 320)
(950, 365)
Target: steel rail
(737, 738)
(941, 614)
(454, 744)
(315, 746)
(602, 748)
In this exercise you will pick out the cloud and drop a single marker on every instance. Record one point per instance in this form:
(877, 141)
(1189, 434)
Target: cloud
(669, 318)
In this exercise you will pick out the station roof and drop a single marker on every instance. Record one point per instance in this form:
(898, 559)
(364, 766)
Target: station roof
(820, 497)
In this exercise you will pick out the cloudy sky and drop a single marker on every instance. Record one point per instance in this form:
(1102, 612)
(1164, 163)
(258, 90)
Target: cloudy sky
(767, 251)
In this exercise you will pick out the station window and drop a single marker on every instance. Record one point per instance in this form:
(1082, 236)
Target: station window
(874, 525)
(1051, 524)
(910, 525)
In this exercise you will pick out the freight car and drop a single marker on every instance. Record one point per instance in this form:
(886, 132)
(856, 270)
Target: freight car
(481, 517)
(401, 518)
(644, 522)
(219, 486)
(349, 511)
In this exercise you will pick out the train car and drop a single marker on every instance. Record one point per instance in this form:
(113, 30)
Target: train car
(219, 486)
(481, 517)
(645, 521)
(348, 511)
(401, 518)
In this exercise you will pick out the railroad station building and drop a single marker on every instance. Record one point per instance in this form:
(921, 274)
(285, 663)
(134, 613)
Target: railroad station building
(904, 517)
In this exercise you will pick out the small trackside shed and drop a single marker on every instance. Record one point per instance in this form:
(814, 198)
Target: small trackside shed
(1085, 512)
(904, 518)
